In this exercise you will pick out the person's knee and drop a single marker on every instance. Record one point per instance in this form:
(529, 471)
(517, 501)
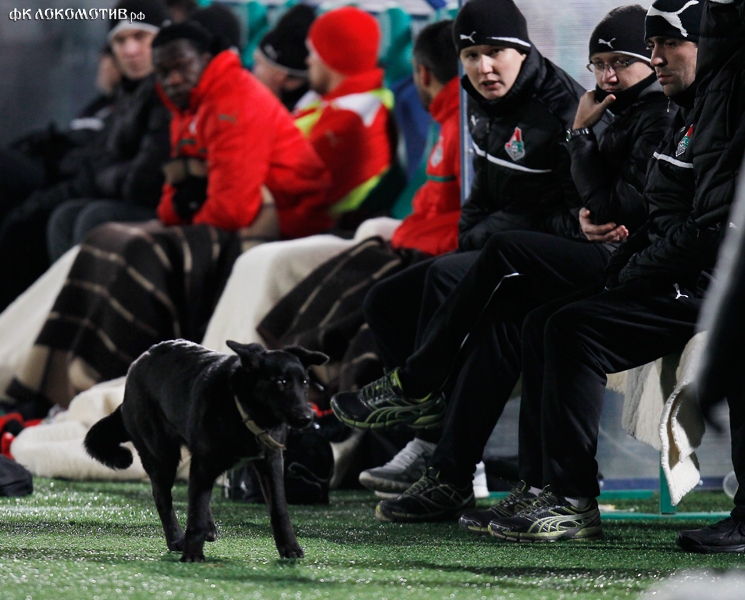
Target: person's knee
(60, 228)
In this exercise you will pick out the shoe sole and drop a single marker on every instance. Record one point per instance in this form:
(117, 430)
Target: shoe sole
(424, 422)
(690, 546)
(388, 486)
(477, 529)
(409, 518)
(587, 534)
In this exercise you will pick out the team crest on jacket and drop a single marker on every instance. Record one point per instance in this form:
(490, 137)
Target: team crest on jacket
(683, 144)
(436, 158)
(516, 147)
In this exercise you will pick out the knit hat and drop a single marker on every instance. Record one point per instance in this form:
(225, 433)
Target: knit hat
(674, 19)
(347, 40)
(153, 12)
(493, 23)
(284, 46)
(222, 23)
(622, 31)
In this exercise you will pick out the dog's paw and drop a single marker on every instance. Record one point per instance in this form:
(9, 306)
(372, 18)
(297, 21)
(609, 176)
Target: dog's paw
(211, 534)
(176, 545)
(192, 557)
(291, 551)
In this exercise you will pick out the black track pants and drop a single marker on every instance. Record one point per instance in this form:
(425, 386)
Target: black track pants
(515, 272)
(399, 308)
(568, 347)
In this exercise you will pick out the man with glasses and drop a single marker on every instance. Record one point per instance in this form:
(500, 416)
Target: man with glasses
(477, 327)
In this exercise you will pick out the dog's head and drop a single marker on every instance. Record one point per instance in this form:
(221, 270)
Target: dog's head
(274, 383)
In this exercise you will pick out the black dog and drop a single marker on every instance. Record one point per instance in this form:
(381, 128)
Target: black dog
(223, 408)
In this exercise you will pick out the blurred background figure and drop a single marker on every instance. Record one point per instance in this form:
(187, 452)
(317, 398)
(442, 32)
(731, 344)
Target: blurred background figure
(280, 58)
(180, 10)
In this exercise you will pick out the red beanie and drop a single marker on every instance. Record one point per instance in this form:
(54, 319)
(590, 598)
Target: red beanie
(347, 40)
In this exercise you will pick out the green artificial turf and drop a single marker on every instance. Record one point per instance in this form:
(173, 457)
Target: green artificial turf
(103, 541)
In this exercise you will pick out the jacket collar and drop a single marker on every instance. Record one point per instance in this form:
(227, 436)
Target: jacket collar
(357, 84)
(446, 102)
(519, 93)
(628, 97)
(214, 74)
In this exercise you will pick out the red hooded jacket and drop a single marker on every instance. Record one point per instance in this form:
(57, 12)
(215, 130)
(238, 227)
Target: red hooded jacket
(248, 139)
(433, 226)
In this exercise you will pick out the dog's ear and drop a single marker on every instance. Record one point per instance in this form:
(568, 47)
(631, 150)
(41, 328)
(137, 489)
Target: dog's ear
(307, 357)
(250, 354)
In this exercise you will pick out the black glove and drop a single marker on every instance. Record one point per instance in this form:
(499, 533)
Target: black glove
(189, 197)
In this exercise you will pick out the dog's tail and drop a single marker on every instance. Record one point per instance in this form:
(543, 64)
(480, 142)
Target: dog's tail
(104, 440)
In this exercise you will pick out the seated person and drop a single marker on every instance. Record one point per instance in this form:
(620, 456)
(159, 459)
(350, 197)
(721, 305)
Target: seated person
(45, 157)
(123, 166)
(280, 59)
(239, 163)
(332, 320)
(473, 337)
(649, 304)
(71, 222)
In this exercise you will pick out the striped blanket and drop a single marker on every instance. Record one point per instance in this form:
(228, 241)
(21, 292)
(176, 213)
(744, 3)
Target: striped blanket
(131, 285)
(324, 312)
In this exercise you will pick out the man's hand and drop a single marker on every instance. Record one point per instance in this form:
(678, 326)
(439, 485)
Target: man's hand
(608, 232)
(589, 112)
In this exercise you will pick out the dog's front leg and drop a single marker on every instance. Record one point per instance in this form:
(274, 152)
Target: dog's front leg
(199, 522)
(271, 475)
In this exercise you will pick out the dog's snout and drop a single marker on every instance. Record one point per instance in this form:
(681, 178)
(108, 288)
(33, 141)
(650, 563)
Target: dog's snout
(305, 420)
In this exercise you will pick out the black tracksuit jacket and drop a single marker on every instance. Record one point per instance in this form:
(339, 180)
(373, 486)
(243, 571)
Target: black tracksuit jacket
(522, 176)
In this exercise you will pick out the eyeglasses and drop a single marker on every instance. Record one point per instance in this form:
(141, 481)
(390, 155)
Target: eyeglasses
(617, 65)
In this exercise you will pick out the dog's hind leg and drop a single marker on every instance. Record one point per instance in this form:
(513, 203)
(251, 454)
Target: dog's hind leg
(199, 525)
(162, 472)
(271, 476)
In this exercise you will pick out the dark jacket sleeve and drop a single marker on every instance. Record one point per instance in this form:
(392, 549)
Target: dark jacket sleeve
(139, 180)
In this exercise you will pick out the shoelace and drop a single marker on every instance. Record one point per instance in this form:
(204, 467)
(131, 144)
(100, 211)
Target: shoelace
(425, 482)
(516, 497)
(542, 501)
(378, 391)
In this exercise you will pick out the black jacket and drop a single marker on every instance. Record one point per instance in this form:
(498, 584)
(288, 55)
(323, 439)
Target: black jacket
(134, 148)
(610, 171)
(522, 178)
(692, 183)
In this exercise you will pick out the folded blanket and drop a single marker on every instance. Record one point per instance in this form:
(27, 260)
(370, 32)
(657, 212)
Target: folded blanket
(55, 449)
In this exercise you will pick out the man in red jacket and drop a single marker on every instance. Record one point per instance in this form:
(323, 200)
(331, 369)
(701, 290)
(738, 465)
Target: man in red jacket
(349, 125)
(230, 137)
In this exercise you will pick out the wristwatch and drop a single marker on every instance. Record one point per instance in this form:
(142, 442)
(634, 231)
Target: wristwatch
(573, 133)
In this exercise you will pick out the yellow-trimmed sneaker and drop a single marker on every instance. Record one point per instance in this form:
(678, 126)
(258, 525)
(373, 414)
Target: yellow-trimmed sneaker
(383, 403)
(550, 518)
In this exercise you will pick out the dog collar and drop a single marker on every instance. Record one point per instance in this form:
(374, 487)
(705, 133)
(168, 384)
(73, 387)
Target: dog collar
(262, 435)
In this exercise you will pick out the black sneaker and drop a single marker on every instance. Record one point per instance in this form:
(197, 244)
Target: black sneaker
(383, 403)
(518, 499)
(550, 518)
(429, 499)
(725, 536)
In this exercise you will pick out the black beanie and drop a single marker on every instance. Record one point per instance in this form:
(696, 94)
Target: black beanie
(148, 15)
(186, 30)
(222, 23)
(493, 23)
(622, 31)
(284, 46)
(674, 19)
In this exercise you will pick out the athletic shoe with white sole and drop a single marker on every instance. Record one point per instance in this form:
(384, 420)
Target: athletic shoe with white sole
(429, 499)
(518, 499)
(549, 518)
(383, 403)
(398, 474)
(725, 536)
